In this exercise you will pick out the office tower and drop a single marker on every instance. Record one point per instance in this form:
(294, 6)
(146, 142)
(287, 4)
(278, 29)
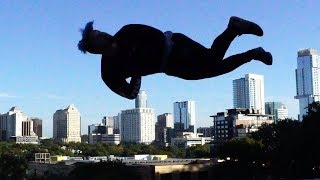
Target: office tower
(84, 138)
(116, 124)
(165, 120)
(164, 126)
(95, 132)
(108, 121)
(277, 109)
(281, 114)
(248, 92)
(27, 128)
(37, 126)
(66, 124)
(184, 116)
(237, 123)
(16, 126)
(11, 123)
(138, 125)
(206, 131)
(141, 100)
(307, 79)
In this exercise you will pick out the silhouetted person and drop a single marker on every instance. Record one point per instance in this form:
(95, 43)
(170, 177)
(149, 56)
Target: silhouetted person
(138, 50)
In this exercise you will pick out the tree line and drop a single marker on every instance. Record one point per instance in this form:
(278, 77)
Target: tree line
(289, 149)
(14, 157)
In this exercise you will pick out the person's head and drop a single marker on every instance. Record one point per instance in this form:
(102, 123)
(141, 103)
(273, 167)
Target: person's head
(94, 41)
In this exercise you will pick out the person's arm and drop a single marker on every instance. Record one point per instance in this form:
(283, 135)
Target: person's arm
(122, 87)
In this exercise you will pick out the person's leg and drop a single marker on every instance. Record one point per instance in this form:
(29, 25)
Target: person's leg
(210, 68)
(233, 62)
(191, 61)
(236, 27)
(221, 44)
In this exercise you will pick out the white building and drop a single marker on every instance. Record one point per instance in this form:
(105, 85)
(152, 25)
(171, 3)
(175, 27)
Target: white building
(184, 116)
(165, 120)
(189, 139)
(277, 109)
(66, 124)
(138, 125)
(248, 92)
(282, 113)
(108, 121)
(307, 79)
(16, 125)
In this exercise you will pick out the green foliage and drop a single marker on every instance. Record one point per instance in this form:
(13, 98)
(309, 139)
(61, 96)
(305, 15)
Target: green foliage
(198, 151)
(289, 148)
(244, 150)
(13, 166)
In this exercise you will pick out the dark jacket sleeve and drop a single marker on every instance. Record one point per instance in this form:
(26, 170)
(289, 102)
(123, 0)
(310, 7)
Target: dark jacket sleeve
(117, 82)
(135, 45)
(122, 87)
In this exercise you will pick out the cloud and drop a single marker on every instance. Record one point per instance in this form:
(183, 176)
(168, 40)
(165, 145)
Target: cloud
(54, 96)
(6, 95)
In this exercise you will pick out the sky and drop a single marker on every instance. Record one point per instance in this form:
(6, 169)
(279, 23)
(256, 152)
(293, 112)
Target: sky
(41, 69)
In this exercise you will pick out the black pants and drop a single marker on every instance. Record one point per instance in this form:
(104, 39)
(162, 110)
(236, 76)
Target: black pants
(191, 61)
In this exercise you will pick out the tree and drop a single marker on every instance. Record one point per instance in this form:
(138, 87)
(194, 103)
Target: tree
(309, 161)
(244, 150)
(198, 151)
(12, 166)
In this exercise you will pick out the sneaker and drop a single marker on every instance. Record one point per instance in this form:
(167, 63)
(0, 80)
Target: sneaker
(242, 26)
(260, 54)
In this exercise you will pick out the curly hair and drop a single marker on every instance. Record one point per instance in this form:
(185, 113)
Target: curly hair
(83, 44)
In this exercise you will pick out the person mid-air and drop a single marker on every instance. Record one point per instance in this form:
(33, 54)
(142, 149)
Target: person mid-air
(138, 50)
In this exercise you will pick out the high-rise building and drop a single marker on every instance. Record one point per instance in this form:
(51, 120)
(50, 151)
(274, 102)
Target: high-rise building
(184, 116)
(248, 92)
(66, 124)
(37, 126)
(237, 123)
(165, 120)
(277, 109)
(206, 131)
(307, 79)
(281, 114)
(138, 125)
(116, 124)
(11, 123)
(108, 121)
(27, 128)
(95, 132)
(15, 125)
(164, 129)
(141, 100)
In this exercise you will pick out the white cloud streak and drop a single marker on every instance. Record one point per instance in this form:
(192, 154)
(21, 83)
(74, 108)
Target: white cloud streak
(6, 95)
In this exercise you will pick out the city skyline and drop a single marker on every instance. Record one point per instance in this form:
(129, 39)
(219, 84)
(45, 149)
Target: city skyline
(42, 70)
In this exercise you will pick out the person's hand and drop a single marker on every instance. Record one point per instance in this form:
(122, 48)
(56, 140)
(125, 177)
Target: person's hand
(135, 84)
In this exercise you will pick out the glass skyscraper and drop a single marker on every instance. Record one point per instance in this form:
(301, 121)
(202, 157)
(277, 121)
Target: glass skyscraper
(277, 109)
(307, 79)
(184, 116)
(248, 92)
